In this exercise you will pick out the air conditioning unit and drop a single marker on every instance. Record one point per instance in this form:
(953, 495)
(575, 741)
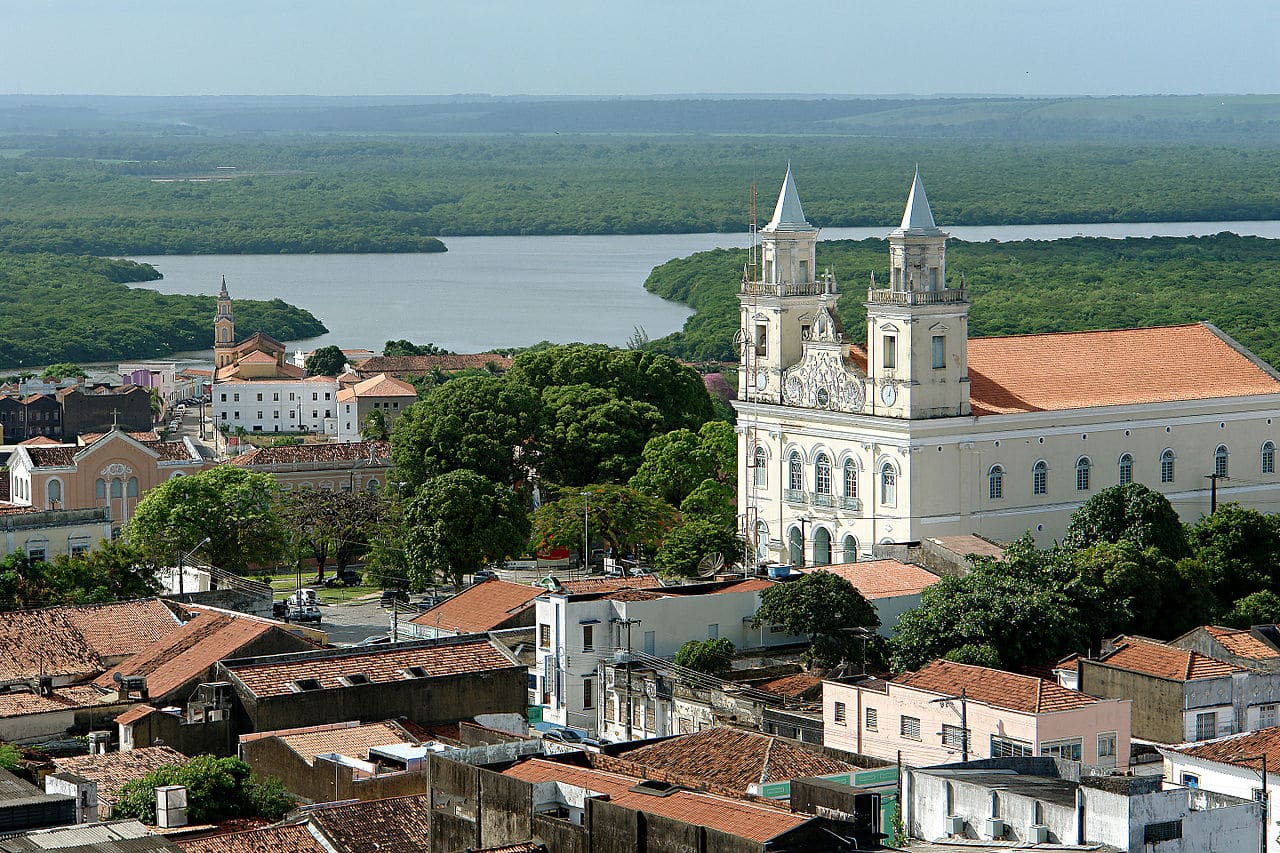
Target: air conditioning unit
(995, 827)
(1038, 834)
(955, 824)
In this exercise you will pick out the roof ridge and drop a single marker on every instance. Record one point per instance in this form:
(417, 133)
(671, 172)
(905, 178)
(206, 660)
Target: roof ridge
(768, 759)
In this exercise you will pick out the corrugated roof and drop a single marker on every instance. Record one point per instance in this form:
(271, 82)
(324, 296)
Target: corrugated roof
(481, 607)
(995, 687)
(882, 578)
(1137, 654)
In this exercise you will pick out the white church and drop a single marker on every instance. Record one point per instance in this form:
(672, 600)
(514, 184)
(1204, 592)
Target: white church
(918, 431)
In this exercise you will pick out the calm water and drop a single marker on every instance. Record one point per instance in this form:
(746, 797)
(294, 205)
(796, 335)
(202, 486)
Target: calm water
(490, 292)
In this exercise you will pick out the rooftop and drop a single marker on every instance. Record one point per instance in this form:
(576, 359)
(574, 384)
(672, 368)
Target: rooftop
(882, 578)
(733, 758)
(123, 627)
(349, 453)
(995, 687)
(275, 675)
(350, 740)
(44, 642)
(113, 770)
(791, 686)
(24, 702)
(1138, 654)
(115, 837)
(376, 826)
(1242, 749)
(290, 838)
(1241, 643)
(381, 385)
(480, 607)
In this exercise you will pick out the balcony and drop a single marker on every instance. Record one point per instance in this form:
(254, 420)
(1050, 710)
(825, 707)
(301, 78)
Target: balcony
(948, 296)
(765, 288)
(794, 496)
(851, 504)
(822, 499)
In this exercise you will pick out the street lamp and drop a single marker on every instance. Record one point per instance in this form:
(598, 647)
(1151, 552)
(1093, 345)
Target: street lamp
(586, 554)
(182, 561)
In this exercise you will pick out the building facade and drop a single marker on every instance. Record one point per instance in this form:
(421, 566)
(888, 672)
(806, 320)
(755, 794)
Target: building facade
(382, 394)
(335, 467)
(918, 432)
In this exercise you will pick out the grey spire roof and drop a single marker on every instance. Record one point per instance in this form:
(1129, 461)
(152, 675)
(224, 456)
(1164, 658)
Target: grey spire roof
(788, 215)
(224, 294)
(917, 216)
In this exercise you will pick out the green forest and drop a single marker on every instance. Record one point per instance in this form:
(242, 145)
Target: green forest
(62, 308)
(123, 194)
(1021, 287)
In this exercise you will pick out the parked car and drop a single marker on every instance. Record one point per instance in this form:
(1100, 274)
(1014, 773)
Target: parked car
(569, 737)
(484, 575)
(304, 606)
(346, 577)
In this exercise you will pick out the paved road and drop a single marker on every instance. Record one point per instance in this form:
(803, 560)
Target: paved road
(351, 623)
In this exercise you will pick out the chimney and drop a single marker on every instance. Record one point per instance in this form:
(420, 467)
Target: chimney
(171, 806)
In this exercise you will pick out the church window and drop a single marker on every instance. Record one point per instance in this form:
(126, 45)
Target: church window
(117, 488)
(1166, 466)
(1126, 469)
(760, 472)
(131, 488)
(804, 272)
(933, 278)
(850, 479)
(259, 415)
(939, 352)
(55, 491)
(762, 340)
(795, 479)
(762, 540)
(850, 549)
(768, 270)
(1220, 461)
(890, 351)
(822, 475)
(822, 547)
(1268, 457)
(1083, 469)
(995, 482)
(1040, 478)
(888, 484)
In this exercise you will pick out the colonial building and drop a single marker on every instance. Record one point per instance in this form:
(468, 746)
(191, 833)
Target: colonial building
(381, 393)
(360, 466)
(257, 389)
(918, 432)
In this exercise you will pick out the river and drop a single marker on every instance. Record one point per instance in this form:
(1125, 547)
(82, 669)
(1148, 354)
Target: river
(488, 292)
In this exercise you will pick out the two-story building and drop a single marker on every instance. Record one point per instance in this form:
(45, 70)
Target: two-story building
(382, 394)
(1233, 766)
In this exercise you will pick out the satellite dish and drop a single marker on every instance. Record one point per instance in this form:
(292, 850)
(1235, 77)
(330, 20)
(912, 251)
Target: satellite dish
(115, 676)
(710, 564)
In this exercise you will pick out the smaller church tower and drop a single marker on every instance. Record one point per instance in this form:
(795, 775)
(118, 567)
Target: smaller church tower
(778, 309)
(224, 329)
(917, 327)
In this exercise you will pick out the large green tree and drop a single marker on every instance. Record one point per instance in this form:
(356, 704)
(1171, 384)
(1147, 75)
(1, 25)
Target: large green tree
(618, 515)
(1240, 551)
(217, 788)
(460, 522)
(329, 524)
(590, 435)
(684, 548)
(326, 361)
(824, 607)
(711, 657)
(676, 463)
(234, 509)
(1131, 513)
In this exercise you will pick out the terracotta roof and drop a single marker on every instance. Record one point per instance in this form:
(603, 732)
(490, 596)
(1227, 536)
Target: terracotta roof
(123, 627)
(744, 585)
(352, 741)
(753, 821)
(113, 770)
(382, 385)
(290, 838)
(1242, 749)
(633, 595)
(145, 437)
(44, 642)
(481, 607)
(25, 702)
(882, 578)
(1154, 658)
(791, 686)
(967, 543)
(137, 712)
(734, 758)
(185, 654)
(1241, 643)
(995, 687)
(376, 826)
(61, 456)
(7, 508)
(256, 357)
(192, 371)
(349, 452)
(398, 365)
(39, 441)
(267, 678)
(587, 585)
(231, 373)
(260, 341)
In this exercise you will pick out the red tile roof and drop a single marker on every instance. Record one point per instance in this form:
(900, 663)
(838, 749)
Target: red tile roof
(1241, 643)
(753, 821)
(382, 385)
(61, 456)
(123, 627)
(267, 678)
(40, 441)
(733, 758)
(791, 686)
(882, 578)
(376, 826)
(137, 712)
(481, 607)
(260, 341)
(1242, 749)
(995, 687)
(22, 703)
(1154, 658)
(352, 741)
(290, 838)
(113, 770)
(588, 585)
(401, 365)
(44, 642)
(347, 454)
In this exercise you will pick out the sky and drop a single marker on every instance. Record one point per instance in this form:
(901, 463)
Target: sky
(638, 47)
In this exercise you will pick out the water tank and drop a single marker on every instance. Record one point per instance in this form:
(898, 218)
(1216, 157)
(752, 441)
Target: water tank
(171, 806)
(777, 572)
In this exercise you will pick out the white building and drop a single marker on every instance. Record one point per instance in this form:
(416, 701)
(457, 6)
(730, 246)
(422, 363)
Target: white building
(382, 393)
(1232, 765)
(575, 632)
(919, 432)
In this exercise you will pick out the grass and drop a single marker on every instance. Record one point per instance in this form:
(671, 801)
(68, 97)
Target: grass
(284, 585)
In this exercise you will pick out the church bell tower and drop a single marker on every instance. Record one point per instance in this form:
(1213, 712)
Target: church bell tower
(917, 327)
(224, 329)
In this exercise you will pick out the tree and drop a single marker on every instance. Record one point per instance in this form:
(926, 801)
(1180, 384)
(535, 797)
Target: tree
(1240, 551)
(217, 788)
(1145, 583)
(374, 426)
(24, 583)
(676, 463)
(821, 606)
(1129, 513)
(324, 523)
(711, 657)
(684, 547)
(485, 424)
(404, 347)
(619, 516)
(112, 571)
(590, 435)
(10, 755)
(712, 501)
(1258, 608)
(231, 507)
(64, 370)
(326, 361)
(460, 522)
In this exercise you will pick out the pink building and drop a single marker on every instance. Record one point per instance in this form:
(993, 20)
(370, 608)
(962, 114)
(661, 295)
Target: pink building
(918, 714)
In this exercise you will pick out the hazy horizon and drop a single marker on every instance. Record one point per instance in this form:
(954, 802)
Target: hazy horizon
(661, 48)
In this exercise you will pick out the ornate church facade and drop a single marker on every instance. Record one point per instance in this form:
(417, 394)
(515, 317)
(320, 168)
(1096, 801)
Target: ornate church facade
(917, 431)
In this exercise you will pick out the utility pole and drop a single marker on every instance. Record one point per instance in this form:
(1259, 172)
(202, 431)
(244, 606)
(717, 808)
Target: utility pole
(630, 713)
(1213, 490)
(964, 726)
(586, 554)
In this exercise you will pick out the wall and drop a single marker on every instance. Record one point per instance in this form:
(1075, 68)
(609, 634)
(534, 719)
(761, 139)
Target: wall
(97, 412)
(165, 728)
(454, 802)
(238, 600)
(58, 530)
(1156, 712)
(1228, 779)
(1108, 715)
(286, 405)
(929, 804)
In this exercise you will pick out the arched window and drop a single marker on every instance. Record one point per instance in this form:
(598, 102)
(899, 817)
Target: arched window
(761, 470)
(131, 488)
(822, 547)
(54, 489)
(100, 489)
(850, 480)
(176, 474)
(117, 487)
(822, 475)
(1268, 457)
(1126, 469)
(795, 472)
(762, 540)
(373, 486)
(796, 542)
(995, 482)
(1083, 469)
(850, 549)
(1040, 478)
(1166, 466)
(888, 484)
(1220, 460)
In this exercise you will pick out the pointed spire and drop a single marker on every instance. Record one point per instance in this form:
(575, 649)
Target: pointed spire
(788, 215)
(917, 216)
(224, 294)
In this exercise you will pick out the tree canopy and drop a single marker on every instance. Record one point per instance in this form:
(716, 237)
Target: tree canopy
(1130, 513)
(217, 788)
(674, 464)
(112, 571)
(824, 607)
(326, 361)
(690, 541)
(620, 516)
(710, 657)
